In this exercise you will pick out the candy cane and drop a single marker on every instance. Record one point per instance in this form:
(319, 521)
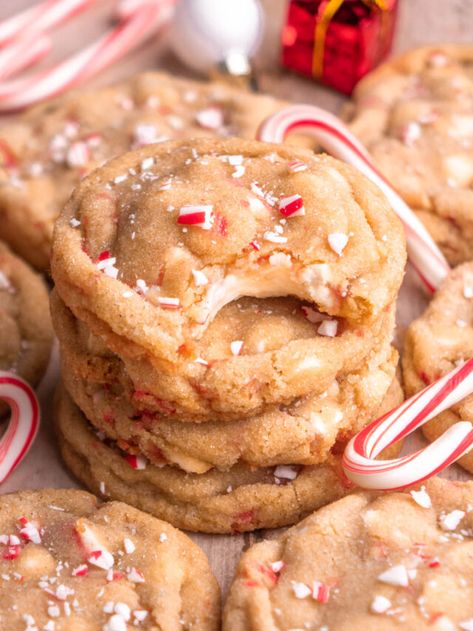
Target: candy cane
(21, 54)
(359, 459)
(335, 138)
(147, 19)
(41, 18)
(23, 424)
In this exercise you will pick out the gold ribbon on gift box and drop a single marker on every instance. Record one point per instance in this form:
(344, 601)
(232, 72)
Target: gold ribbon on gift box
(327, 11)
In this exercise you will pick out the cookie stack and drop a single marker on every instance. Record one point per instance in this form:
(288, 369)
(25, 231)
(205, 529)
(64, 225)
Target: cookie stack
(225, 310)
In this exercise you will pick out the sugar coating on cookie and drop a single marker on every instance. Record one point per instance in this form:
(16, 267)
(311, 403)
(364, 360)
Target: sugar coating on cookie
(243, 498)
(415, 114)
(25, 326)
(67, 561)
(49, 149)
(364, 562)
(302, 432)
(438, 341)
(165, 237)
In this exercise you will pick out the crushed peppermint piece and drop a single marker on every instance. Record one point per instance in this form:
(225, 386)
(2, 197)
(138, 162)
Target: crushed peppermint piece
(277, 566)
(210, 117)
(168, 303)
(274, 237)
(77, 155)
(140, 614)
(380, 604)
(200, 278)
(163, 537)
(328, 328)
(201, 361)
(62, 592)
(74, 223)
(147, 163)
(129, 545)
(451, 520)
(80, 570)
(127, 294)
(422, 498)
(101, 558)
(320, 592)
(468, 292)
(135, 576)
(136, 462)
(30, 532)
(301, 590)
(292, 206)
(145, 134)
(115, 623)
(239, 171)
(337, 241)
(236, 346)
(195, 215)
(410, 133)
(396, 575)
(295, 166)
(312, 315)
(466, 625)
(119, 179)
(285, 472)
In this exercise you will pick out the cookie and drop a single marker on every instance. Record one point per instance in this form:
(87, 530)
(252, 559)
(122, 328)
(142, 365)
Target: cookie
(435, 344)
(67, 561)
(415, 114)
(364, 563)
(241, 499)
(46, 152)
(130, 261)
(302, 432)
(25, 325)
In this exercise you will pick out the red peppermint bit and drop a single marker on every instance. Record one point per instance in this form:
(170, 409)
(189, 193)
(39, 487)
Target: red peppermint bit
(424, 378)
(109, 418)
(433, 618)
(135, 462)
(269, 573)
(23, 521)
(12, 552)
(246, 517)
(160, 278)
(252, 584)
(196, 215)
(434, 563)
(95, 554)
(103, 256)
(292, 206)
(7, 157)
(321, 592)
(221, 224)
(255, 245)
(81, 570)
(117, 576)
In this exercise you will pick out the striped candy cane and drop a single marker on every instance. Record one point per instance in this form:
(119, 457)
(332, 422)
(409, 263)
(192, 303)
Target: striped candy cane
(137, 26)
(23, 424)
(335, 138)
(41, 18)
(359, 459)
(22, 53)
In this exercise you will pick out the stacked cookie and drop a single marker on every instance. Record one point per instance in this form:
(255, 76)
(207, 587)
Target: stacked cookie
(225, 310)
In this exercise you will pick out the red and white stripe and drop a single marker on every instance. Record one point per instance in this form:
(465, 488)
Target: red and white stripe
(23, 424)
(292, 206)
(359, 459)
(23, 53)
(335, 138)
(194, 215)
(41, 17)
(113, 45)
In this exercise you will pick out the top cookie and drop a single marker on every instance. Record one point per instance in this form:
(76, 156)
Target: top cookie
(152, 245)
(67, 561)
(364, 563)
(51, 147)
(415, 114)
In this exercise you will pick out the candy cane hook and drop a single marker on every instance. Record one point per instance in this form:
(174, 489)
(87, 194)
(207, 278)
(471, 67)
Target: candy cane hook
(359, 459)
(335, 138)
(23, 424)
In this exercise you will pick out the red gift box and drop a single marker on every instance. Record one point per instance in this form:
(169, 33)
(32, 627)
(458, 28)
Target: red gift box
(337, 41)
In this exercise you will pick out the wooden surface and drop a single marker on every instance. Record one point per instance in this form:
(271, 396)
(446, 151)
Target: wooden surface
(420, 22)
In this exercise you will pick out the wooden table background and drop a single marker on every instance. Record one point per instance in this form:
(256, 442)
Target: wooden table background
(420, 22)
